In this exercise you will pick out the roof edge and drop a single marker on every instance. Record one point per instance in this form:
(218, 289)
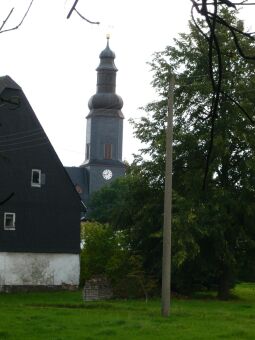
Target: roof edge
(6, 82)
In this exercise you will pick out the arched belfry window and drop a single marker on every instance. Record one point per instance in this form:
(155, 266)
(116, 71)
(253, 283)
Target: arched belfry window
(107, 151)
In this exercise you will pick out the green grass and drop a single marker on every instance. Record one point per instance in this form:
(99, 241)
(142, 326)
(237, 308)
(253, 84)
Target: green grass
(63, 315)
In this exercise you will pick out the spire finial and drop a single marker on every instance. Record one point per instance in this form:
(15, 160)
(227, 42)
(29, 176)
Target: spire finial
(108, 38)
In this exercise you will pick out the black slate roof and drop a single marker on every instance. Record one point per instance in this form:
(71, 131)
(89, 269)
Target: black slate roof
(6, 82)
(47, 216)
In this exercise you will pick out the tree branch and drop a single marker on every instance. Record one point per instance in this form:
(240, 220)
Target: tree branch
(240, 107)
(91, 22)
(233, 4)
(8, 16)
(21, 22)
(213, 41)
(73, 8)
(212, 18)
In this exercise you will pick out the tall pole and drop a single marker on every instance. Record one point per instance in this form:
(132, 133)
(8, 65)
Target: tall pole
(166, 259)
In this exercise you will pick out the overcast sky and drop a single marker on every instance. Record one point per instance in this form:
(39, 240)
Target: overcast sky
(54, 59)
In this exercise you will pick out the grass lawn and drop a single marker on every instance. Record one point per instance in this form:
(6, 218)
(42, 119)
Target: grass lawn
(63, 315)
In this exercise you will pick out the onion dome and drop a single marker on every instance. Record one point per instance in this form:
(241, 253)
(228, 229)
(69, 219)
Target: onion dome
(107, 52)
(106, 101)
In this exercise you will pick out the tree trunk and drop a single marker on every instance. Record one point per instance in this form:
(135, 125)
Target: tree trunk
(225, 284)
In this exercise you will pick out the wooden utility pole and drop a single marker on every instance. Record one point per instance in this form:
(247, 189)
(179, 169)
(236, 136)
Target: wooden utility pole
(166, 260)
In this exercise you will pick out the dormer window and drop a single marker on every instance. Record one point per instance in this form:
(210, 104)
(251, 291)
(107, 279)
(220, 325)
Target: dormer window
(36, 178)
(9, 221)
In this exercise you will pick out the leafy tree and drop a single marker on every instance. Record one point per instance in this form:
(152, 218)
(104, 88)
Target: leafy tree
(221, 216)
(132, 205)
(213, 229)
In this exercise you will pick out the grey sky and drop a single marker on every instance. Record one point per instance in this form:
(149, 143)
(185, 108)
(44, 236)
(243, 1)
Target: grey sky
(54, 59)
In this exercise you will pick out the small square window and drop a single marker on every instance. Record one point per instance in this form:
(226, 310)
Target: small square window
(36, 178)
(9, 221)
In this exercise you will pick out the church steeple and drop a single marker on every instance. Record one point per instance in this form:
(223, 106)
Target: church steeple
(103, 157)
(104, 132)
(106, 101)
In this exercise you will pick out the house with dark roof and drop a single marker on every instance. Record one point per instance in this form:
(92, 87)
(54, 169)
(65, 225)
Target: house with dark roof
(104, 134)
(39, 206)
(40, 200)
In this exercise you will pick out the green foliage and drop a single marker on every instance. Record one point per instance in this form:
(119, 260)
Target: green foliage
(103, 251)
(106, 252)
(132, 205)
(213, 230)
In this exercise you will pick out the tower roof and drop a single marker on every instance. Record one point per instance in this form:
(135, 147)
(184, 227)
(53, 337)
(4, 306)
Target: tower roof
(107, 52)
(106, 102)
(107, 57)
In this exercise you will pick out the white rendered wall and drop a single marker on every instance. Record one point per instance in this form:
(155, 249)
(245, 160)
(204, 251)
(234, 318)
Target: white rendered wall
(25, 269)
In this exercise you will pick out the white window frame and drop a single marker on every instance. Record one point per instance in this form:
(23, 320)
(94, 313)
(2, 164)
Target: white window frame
(33, 184)
(13, 226)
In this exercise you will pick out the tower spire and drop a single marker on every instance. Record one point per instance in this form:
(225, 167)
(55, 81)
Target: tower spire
(106, 101)
(105, 120)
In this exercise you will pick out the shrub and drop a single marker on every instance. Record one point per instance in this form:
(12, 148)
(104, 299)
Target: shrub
(106, 252)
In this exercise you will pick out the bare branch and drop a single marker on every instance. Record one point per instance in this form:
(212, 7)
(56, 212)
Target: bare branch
(233, 4)
(21, 22)
(8, 16)
(73, 8)
(91, 22)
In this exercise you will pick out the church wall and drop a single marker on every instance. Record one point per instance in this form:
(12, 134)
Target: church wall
(96, 178)
(120, 138)
(29, 269)
(106, 130)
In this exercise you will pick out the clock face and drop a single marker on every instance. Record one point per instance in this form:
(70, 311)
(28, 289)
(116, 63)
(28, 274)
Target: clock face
(107, 174)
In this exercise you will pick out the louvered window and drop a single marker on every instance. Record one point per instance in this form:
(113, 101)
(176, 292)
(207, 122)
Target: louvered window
(107, 151)
(87, 151)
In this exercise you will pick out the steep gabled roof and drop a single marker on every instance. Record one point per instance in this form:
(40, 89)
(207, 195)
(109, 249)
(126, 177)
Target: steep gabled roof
(48, 217)
(6, 82)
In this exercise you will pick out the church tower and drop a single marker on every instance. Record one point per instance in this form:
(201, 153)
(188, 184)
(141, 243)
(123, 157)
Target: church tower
(104, 134)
